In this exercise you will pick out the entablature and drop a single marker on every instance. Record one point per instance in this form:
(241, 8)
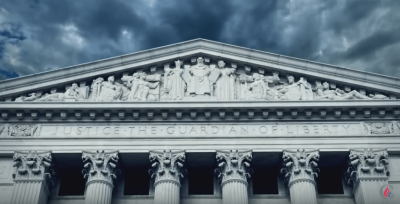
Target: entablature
(201, 111)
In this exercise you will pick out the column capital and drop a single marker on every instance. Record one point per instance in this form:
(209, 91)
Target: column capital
(233, 165)
(167, 166)
(33, 165)
(300, 165)
(100, 166)
(367, 164)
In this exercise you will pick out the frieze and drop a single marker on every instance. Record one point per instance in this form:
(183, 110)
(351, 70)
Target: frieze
(201, 130)
(199, 81)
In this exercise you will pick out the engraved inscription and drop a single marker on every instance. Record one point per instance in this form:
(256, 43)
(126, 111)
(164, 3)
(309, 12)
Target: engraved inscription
(205, 130)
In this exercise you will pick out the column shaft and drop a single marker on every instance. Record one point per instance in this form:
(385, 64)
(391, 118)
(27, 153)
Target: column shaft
(234, 192)
(167, 192)
(29, 192)
(369, 192)
(98, 192)
(303, 192)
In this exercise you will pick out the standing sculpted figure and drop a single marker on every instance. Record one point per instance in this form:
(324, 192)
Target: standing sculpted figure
(144, 87)
(258, 88)
(225, 85)
(199, 82)
(174, 85)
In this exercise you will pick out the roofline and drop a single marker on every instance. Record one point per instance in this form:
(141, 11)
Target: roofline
(274, 61)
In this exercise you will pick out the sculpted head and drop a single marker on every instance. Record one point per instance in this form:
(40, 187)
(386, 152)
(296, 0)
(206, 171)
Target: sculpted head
(256, 77)
(200, 60)
(221, 64)
(110, 79)
(326, 85)
(135, 75)
(143, 75)
(178, 63)
(290, 79)
(74, 86)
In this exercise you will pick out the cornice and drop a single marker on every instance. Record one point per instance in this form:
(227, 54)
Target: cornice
(210, 110)
(157, 56)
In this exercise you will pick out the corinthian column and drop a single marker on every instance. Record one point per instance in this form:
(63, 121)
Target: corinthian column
(166, 170)
(233, 171)
(300, 169)
(99, 170)
(368, 174)
(32, 178)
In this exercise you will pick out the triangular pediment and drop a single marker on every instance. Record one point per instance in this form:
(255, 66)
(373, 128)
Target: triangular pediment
(154, 75)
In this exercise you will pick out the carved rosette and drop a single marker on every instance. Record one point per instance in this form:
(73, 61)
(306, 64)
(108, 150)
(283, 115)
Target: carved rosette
(167, 166)
(233, 165)
(300, 165)
(100, 166)
(33, 165)
(367, 164)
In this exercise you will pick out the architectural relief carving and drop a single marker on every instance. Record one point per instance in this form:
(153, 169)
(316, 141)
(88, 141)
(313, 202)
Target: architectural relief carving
(100, 166)
(18, 130)
(233, 165)
(167, 166)
(367, 164)
(300, 165)
(33, 165)
(202, 80)
(378, 128)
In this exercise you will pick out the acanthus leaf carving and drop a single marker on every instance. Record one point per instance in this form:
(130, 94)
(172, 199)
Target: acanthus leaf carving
(167, 166)
(233, 165)
(34, 165)
(366, 164)
(202, 80)
(100, 166)
(300, 165)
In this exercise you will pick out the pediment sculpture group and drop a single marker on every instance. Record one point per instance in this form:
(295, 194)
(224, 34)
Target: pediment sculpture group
(200, 81)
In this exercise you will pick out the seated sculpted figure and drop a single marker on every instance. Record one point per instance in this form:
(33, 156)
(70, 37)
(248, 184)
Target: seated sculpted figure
(72, 93)
(109, 91)
(325, 93)
(300, 90)
(199, 82)
(258, 88)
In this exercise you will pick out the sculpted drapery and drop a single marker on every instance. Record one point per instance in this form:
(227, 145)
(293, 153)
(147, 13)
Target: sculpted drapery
(225, 85)
(199, 82)
(203, 80)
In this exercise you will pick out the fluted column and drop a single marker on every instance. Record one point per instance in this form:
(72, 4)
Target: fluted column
(368, 174)
(233, 171)
(300, 169)
(100, 171)
(32, 178)
(166, 170)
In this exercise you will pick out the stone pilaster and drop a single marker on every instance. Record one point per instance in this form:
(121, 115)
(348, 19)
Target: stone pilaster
(32, 178)
(99, 171)
(167, 170)
(300, 169)
(233, 171)
(368, 173)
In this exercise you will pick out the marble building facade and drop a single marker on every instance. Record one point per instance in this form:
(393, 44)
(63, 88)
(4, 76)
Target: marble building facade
(200, 122)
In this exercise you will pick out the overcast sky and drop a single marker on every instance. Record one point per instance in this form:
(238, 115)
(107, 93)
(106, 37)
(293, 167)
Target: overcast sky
(43, 35)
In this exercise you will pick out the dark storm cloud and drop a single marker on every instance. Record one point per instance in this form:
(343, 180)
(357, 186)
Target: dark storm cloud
(43, 35)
